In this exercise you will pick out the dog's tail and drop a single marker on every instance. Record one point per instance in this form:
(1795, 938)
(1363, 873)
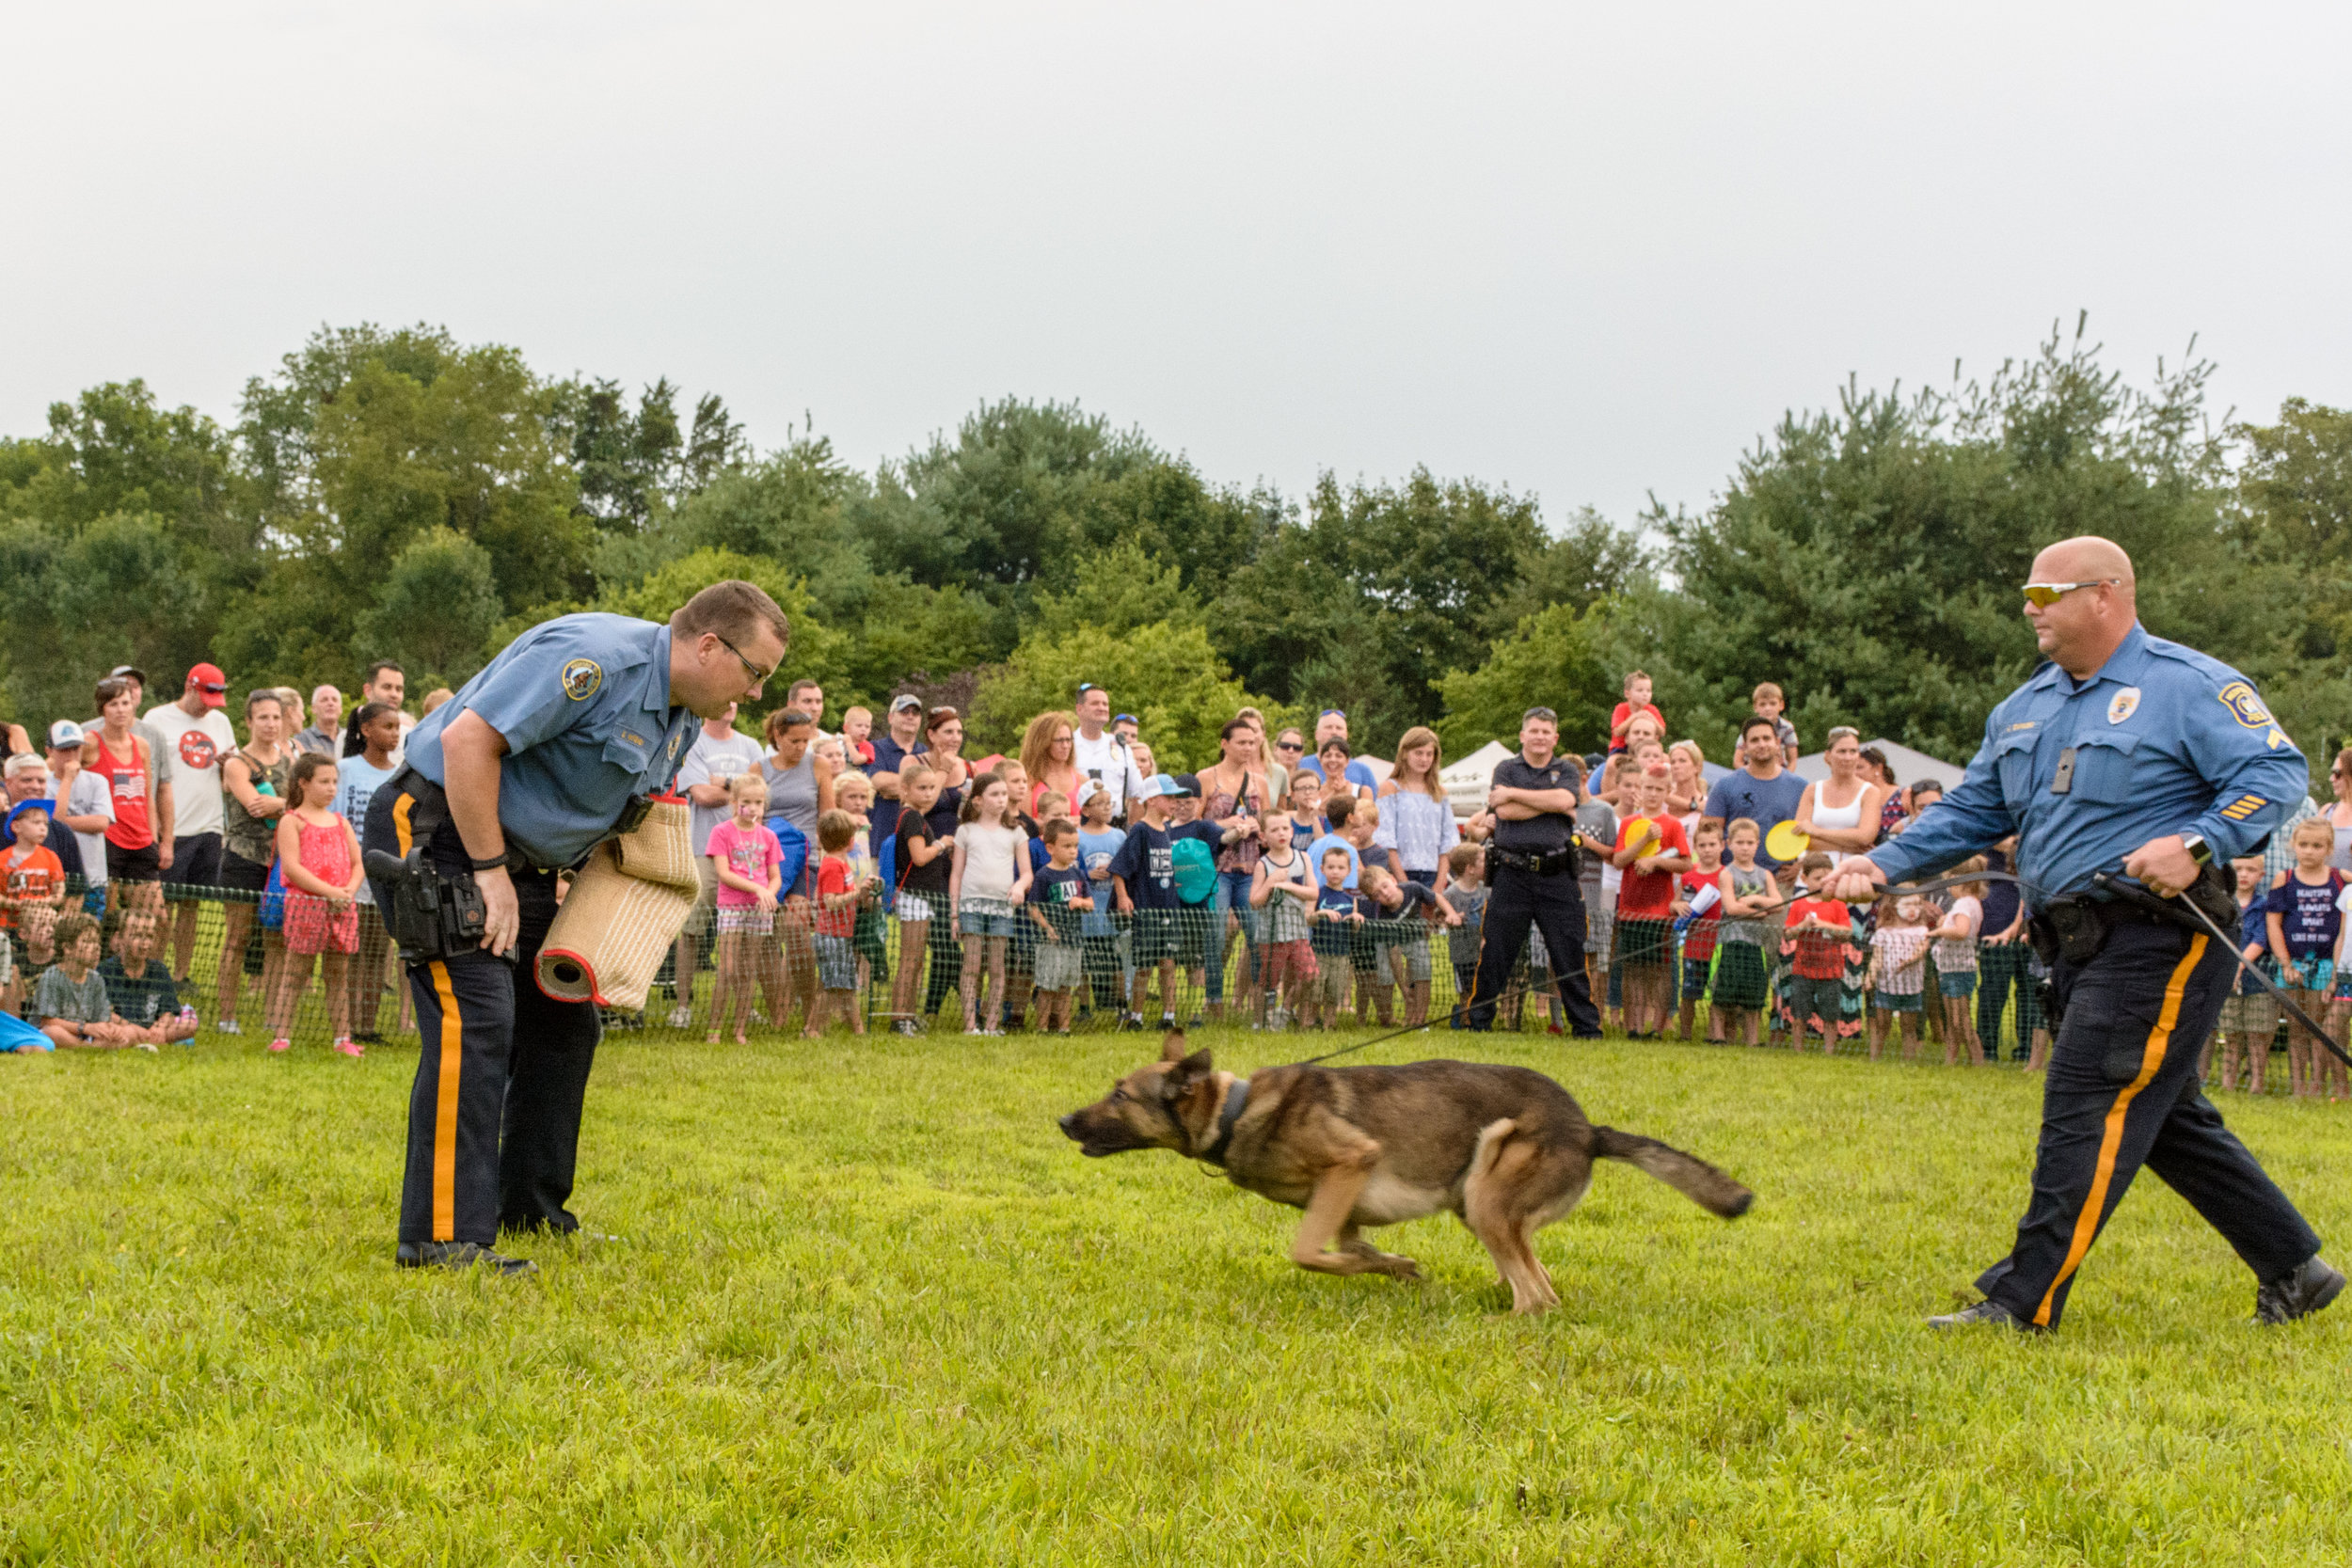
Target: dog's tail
(1693, 1177)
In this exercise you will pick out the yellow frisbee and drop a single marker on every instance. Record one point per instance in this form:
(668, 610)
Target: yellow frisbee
(1786, 842)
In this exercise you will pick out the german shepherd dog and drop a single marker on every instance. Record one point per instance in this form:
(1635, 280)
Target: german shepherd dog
(1503, 1148)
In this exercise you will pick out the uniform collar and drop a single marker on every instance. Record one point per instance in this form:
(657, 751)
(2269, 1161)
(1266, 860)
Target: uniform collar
(2125, 666)
(655, 695)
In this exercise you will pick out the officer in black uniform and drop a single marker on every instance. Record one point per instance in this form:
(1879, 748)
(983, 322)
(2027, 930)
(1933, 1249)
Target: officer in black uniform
(2131, 770)
(549, 751)
(1531, 868)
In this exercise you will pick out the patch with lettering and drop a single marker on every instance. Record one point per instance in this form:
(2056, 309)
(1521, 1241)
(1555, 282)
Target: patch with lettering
(632, 737)
(2123, 704)
(2243, 705)
(2023, 724)
(581, 677)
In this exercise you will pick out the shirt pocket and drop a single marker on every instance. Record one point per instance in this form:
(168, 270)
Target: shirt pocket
(2103, 768)
(2012, 764)
(631, 760)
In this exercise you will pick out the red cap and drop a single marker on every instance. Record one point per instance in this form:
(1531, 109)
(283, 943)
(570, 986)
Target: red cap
(208, 679)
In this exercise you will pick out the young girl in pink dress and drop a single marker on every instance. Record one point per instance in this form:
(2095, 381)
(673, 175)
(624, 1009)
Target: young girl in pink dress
(319, 860)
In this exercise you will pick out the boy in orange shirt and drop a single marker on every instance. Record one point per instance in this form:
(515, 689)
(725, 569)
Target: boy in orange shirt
(30, 871)
(1821, 927)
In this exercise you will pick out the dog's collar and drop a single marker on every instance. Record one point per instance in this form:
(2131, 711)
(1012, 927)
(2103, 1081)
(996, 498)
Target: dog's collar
(1236, 1100)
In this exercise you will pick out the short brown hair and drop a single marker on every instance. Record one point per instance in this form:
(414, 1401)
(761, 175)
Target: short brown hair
(1060, 828)
(71, 928)
(1816, 860)
(1767, 689)
(836, 829)
(735, 610)
(1463, 856)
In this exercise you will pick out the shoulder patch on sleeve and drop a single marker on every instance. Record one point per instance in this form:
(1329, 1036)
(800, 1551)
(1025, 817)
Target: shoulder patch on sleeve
(2245, 706)
(580, 678)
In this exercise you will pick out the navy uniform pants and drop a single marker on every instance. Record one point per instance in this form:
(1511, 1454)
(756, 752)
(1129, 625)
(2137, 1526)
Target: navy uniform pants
(1554, 905)
(2122, 1092)
(501, 1072)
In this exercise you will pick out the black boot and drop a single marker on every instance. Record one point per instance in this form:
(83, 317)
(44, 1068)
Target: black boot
(460, 1256)
(2300, 1295)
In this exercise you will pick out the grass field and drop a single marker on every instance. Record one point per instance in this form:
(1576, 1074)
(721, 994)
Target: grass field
(870, 1307)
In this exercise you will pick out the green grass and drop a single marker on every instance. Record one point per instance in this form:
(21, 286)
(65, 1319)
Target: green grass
(872, 1308)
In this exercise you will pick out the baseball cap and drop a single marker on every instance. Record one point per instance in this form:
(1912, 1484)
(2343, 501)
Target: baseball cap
(211, 683)
(1188, 785)
(904, 700)
(1087, 790)
(131, 670)
(1159, 785)
(65, 735)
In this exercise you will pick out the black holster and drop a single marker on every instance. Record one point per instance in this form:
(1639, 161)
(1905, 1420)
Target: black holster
(1539, 864)
(431, 916)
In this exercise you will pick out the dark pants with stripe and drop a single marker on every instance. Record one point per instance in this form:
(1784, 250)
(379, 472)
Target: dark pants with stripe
(501, 1072)
(1554, 905)
(2122, 1092)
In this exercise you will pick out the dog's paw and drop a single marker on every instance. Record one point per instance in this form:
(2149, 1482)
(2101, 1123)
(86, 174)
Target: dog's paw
(1397, 1267)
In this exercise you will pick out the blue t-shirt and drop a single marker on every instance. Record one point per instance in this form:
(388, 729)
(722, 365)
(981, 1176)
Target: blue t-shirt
(2253, 931)
(889, 756)
(2306, 915)
(1146, 862)
(1055, 889)
(1095, 853)
(1334, 935)
(1766, 802)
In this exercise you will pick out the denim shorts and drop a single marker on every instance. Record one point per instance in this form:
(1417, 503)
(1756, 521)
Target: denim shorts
(978, 923)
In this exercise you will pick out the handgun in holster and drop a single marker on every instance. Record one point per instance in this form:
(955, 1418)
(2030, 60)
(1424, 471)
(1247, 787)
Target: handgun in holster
(432, 915)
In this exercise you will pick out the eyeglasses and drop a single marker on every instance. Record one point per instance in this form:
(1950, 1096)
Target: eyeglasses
(938, 713)
(760, 677)
(1085, 687)
(1290, 745)
(1331, 713)
(1543, 713)
(1127, 719)
(2041, 595)
(1842, 731)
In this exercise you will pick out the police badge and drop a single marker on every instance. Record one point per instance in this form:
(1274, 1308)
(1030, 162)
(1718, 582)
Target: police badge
(2123, 704)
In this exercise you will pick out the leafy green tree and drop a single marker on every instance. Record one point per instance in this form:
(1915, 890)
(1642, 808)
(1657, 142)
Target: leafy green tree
(1868, 559)
(435, 609)
(814, 650)
(1555, 658)
(1167, 674)
(1378, 592)
(2291, 526)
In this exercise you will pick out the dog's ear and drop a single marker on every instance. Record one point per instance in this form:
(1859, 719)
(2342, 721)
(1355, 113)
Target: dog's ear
(1172, 1048)
(1188, 1072)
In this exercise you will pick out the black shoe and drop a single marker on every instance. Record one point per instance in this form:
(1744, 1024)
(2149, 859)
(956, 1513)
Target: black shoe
(460, 1256)
(1988, 1312)
(2300, 1295)
(366, 1036)
(1132, 1024)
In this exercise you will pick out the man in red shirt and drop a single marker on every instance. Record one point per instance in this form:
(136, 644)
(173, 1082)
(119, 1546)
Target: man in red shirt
(1821, 927)
(1653, 852)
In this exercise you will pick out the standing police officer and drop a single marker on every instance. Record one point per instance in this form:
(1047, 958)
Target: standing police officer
(1530, 860)
(2122, 753)
(538, 759)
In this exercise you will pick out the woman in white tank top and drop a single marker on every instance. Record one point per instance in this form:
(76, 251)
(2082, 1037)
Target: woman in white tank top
(1840, 814)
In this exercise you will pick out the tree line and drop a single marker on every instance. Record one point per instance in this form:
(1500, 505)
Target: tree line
(396, 493)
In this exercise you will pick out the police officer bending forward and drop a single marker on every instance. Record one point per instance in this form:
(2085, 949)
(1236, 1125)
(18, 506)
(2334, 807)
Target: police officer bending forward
(539, 758)
(1531, 862)
(2122, 755)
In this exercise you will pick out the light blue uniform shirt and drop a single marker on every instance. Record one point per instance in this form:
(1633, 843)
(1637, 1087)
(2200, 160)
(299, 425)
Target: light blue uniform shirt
(583, 702)
(2164, 740)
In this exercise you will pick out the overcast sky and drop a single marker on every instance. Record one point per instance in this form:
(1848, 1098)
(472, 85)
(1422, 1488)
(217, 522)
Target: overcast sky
(1588, 251)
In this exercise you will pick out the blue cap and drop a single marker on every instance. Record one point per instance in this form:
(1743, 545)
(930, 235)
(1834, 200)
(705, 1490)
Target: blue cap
(1161, 784)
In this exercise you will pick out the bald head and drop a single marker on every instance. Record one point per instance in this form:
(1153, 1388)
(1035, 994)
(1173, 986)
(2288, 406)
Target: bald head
(2082, 627)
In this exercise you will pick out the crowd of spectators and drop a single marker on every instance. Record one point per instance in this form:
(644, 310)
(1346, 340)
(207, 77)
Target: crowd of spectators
(874, 872)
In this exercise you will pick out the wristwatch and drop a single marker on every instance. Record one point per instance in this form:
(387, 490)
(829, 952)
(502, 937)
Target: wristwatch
(2199, 850)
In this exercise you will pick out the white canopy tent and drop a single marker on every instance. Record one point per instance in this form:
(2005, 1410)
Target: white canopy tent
(1910, 766)
(1466, 782)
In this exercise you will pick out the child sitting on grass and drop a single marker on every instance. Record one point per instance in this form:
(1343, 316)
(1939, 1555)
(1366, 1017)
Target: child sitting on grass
(1061, 895)
(1700, 927)
(748, 859)
(2304, 928)
(1955, 949)
(318, 856)
(36, 956)
(2250, 1016)
(70, 1005)
(1336, 920)
(1898, 975)
(140, 987)
(1820, 929)
(1283, 888)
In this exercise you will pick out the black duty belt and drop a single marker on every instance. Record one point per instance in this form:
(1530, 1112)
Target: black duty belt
(1545, 863)
(431, 810)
